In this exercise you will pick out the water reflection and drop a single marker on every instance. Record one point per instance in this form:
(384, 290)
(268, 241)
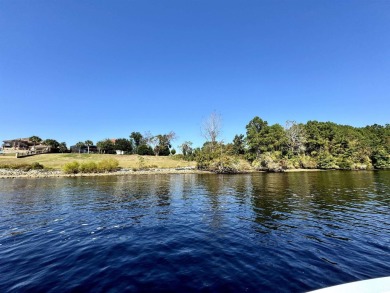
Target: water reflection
(255, 230)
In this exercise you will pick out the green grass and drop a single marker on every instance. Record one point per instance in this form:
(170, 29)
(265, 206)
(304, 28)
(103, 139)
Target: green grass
(57, 161)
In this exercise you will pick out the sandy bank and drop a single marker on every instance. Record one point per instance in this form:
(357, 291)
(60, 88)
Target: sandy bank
(7, 173)
(304, 170)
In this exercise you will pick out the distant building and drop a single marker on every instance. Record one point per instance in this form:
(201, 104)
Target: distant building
(23, 145)
(84, 149)
(17, 144)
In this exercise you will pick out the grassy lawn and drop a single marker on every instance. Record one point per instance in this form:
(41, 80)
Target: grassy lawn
(56, 161)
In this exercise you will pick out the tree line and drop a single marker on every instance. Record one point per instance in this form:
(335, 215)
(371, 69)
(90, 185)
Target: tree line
(146, 144)
(324, 145)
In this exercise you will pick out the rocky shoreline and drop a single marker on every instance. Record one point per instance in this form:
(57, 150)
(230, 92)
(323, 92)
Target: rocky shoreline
(15, 173)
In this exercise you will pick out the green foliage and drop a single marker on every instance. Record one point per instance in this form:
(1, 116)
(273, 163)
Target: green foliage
(37, 166)
(173, 152)
(215, 158)
(123, 144)
(88, 143)
(35, 139)
(145, 150)
(108, 165)
(106, 146)
(80, 145)
(88, 167)
(326, 161)
(381, 158)
(53, 144)
(62, 147)
(272, 162)
(136, 139)
(141, 163)
(71, 168)
(239, 144)
(187, 151)
(263, 138)
(324, 145)
(163, 143)
(23, 167)
(307, 162)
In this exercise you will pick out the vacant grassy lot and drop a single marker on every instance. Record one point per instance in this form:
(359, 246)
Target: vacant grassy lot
(56, 161)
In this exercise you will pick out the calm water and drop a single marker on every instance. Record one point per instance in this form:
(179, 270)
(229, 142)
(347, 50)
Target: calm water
(214, 233)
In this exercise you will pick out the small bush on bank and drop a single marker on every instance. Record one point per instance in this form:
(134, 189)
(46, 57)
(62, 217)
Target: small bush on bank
(88, 167)
(37, 166)
(271, 162)
(307, 162)
(74, 167)
(23, 167)
(108, 165)
(71, 168)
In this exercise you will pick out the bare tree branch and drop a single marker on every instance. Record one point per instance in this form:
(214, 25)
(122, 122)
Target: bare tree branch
(211, 127)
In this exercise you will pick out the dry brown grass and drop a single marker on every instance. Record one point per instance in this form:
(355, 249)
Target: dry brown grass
(56, 161)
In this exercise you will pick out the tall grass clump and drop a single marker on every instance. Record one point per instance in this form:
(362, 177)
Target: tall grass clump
(23, 167)
(71, 168)
(88, 167)
(74, 167)
(107, 165)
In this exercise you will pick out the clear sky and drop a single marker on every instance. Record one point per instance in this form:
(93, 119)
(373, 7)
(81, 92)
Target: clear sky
(78, 70)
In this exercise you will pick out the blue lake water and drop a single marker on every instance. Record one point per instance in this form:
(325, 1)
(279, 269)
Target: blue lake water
(289, 232)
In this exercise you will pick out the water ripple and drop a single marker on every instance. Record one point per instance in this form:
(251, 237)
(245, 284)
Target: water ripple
(294, 232)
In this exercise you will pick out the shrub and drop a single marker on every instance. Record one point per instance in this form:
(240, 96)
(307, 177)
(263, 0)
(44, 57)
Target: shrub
(271, 162)
(222, 165)
(23, 167)
(88, 167)
(327, 161)
(108, 165)
(346, 164)
(36, 166)
(178, 157)
(307, 162)
(71, 168)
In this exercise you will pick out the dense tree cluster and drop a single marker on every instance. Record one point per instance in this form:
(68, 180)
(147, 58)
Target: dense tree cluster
(54, 145)
(147, 144)
(323, 145)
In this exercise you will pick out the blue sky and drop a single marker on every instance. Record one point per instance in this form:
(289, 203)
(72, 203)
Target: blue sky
(77, 70)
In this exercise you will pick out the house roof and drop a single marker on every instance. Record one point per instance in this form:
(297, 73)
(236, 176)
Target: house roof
(18, 139)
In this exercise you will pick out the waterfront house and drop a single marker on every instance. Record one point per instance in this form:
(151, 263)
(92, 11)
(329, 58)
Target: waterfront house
(23, 145)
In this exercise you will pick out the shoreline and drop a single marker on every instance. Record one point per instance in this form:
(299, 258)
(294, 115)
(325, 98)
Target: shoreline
(12, 173)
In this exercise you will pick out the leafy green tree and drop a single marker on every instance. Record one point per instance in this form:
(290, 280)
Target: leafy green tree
(106, 146)
(52, 144)
(144, 150)
(163, 143)
(255, 131)
(275, 138)
(123, 144)
(238, 146)
(381, 158)
(35, 139)
(136, 137)
(88, 143)
(186, 148)
(80, 145)
(62, 147)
